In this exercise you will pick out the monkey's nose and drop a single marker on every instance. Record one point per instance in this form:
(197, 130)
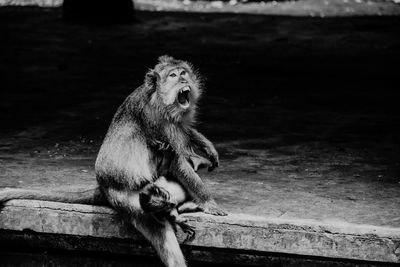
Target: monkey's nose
(183, 81)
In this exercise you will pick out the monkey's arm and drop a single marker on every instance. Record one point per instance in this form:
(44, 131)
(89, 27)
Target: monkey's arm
(193, 184)
(206, 146)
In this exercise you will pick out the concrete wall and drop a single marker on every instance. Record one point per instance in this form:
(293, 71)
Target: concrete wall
(241, 236)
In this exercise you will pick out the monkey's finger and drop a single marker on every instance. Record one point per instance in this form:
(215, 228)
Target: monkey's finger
(214, 161)
(199, 162)
(222, 213)
(190, 235)
(213, 166)
(215, 211)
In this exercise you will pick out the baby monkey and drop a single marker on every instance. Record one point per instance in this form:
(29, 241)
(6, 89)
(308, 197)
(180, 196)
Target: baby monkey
(165, 198)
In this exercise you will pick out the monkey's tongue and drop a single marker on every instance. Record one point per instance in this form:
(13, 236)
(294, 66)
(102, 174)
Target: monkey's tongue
(183, 98)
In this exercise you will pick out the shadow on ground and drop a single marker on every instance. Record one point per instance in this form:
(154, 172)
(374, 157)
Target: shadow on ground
(302, 110)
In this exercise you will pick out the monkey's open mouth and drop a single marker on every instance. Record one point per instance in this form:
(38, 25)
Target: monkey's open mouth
(183, 96)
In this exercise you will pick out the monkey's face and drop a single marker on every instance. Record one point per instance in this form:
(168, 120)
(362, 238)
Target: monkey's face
(155, 199)
(178, 88)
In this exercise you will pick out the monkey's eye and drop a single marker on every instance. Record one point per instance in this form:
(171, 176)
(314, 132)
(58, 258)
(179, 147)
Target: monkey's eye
(173, 75)
(183, 73)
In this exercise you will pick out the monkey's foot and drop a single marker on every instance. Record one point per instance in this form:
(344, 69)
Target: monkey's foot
(188, 230)
(212, 208)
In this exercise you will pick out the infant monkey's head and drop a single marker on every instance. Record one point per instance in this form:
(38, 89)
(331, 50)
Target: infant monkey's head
(155, 199)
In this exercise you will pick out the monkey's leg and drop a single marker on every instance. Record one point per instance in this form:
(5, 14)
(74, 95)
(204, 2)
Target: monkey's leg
(196, 188)
(188, 206)
(161, 236)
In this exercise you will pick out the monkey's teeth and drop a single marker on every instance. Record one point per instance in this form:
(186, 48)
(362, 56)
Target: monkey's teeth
(184, 89)
(183, 97)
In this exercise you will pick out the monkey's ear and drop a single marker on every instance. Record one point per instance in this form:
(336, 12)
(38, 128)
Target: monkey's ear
(165, 59)
(151, 79)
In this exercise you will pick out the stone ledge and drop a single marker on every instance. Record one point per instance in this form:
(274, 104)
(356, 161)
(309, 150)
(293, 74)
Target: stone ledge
(234, 233)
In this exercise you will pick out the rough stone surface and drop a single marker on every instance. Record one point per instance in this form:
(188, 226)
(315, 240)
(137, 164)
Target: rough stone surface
(233, 232)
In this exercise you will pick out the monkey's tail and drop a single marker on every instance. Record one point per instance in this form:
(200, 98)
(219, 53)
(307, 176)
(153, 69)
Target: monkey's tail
(92, 196)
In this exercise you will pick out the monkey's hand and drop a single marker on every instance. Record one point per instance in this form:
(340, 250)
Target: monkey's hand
(199, 162)
(210, 207)
(205, 145)
(177, 219)
(188, 229)
(212, 155)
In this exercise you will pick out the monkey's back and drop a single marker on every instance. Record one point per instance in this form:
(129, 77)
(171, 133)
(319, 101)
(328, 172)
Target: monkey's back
(124, 159)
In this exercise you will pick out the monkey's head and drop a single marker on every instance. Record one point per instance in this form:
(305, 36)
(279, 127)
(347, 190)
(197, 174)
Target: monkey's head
(174, 88)
(154, 199)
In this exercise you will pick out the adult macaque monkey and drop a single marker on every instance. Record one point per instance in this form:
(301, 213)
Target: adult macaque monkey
(151, 135)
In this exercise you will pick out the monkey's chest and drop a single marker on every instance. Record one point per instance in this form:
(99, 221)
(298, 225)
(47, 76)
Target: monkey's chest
(163, 156)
